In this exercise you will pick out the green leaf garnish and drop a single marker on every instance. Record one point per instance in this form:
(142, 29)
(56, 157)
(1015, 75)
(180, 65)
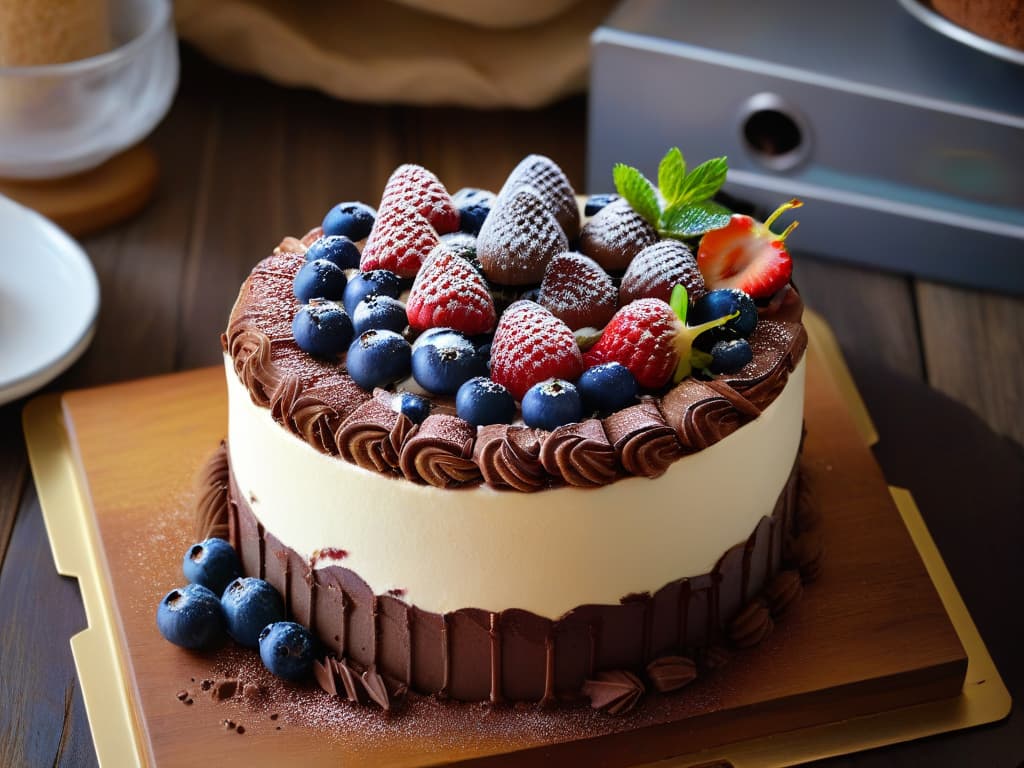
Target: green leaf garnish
(672, 176)
(681, 206)
(679, 302)
(704, 181)
(688, 356)
(693, 219)
(638, 192)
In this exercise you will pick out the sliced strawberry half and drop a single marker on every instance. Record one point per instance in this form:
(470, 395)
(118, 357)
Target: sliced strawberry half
(532, 345)
(450, 293)
(746, 254)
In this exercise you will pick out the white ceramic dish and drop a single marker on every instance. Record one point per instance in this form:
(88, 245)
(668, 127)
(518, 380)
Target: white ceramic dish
(49, 300)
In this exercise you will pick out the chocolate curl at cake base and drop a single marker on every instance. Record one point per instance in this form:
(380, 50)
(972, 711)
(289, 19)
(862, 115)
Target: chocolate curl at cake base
(615, 692)
(580, 454)
(646, 445)
(211, 517)
(670, 673)
(509, 457)
(441, 453)
(367, 437)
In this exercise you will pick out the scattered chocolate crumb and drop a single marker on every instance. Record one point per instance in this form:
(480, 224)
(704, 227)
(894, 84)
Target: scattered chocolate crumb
(240, 730)
(228, 724)
(192, 679)
(182, 695)
(223, 689)
(278, 728)
(251, 691)
(206, 685)
(188, 701)
(274, 716)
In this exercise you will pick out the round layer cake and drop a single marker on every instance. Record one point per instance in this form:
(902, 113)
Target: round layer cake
(503, 562)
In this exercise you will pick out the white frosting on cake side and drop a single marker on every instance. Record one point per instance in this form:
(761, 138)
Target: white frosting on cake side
(544, 552)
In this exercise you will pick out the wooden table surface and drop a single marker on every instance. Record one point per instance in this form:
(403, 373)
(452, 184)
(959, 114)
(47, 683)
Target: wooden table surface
(244, 162)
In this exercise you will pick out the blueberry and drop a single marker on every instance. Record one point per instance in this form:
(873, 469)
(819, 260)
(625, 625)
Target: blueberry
(191, 617)
(212, 563)
(378, 359)
(596, 202)
(286, 649)
(607, 388)
(551, 404)
(322, 328)
(730, 356)
(474, 205)
(381, 313)
(720, 303)
(319, 279)
(415, 407)
(443, 359)
(353, 220)
(337, 249)
(482, 401)
(249, 605)
(533, 294)
(362, 284)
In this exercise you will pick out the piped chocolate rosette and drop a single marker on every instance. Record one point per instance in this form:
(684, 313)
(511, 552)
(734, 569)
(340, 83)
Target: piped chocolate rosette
(479, 339)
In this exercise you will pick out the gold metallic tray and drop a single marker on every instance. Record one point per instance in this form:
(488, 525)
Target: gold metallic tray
(119, 738)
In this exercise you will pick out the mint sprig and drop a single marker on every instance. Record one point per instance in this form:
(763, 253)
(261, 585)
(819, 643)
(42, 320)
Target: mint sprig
(681, 207)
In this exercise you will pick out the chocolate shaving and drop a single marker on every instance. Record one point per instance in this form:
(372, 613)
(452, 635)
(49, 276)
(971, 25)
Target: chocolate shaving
(358, 688)
(645, 444)
(580, 454)
(223, 689)
(375, 688)
(616, 691)
(670, 673)
(751, 626)
(783, 590)
(211, 514)
(323, 673)
(441, 452)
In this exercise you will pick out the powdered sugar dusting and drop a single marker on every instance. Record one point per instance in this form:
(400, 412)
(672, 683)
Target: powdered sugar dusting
(577, 291)
(615, 235)
(412, 186)
(519, 238)
(531, 345)
(400, 240)
(450, 293)
(657, 269)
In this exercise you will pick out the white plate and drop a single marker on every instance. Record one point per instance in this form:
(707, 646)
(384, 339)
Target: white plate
(49, 299)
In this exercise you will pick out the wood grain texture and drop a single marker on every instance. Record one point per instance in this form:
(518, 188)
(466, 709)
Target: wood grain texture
(974, 351)
(13, 470)
(816, 666)
(871, 313)
(42, 716)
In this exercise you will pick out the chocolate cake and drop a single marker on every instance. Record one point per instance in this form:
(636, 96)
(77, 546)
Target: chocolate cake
(591, 560)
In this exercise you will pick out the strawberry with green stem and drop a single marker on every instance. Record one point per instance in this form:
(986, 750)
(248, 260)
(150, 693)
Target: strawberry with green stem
(651, 339)
(746, 254)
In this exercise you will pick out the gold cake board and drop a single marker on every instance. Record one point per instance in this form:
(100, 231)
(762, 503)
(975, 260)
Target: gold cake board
(120, 739)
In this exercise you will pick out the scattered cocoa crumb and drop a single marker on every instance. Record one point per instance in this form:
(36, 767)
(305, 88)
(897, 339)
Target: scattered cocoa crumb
(188, 701)
(278, 728)
(223, 689)
(228, 724)
(274, 716)
(182, 695)
(206, 685)
(251, 691)
(239, 730)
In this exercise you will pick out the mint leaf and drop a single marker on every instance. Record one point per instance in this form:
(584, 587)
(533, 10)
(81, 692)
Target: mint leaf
(693, 219)
(705, 180)
(672, 176)
(638, 192)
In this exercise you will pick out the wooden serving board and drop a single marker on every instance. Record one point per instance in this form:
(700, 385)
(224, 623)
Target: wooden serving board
(870, 636)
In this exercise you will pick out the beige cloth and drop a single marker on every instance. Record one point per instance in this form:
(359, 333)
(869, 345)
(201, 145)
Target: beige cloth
(475, 53)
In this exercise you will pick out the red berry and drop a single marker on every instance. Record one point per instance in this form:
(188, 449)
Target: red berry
(532, 345)
(399, 241)
(450, 293)
(641, 336)
(413, 186)
(746, 254)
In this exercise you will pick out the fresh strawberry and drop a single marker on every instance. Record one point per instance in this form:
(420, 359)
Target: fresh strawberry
(746, 254)
(532, 345)
(578, 292)
(450, 293)
(399, 241)
(550, 182)
(518, 239)
(651, 338)
(415, 187)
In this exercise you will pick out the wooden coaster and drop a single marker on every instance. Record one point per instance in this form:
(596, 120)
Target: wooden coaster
(92, 200)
